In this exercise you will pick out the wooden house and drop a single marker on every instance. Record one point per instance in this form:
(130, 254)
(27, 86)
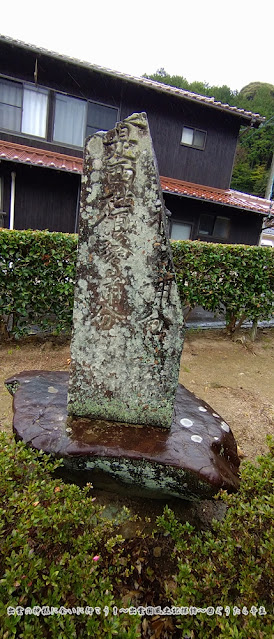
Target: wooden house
(49, 103)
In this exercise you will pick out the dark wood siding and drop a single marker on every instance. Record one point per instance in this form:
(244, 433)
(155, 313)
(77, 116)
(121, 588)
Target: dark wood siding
(167, 115)
(213, 165)
(245, 226)
(45, 199)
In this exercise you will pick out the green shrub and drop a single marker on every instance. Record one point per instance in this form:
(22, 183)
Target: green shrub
(230, 566)
(235, 279)
(52, 535)
(37, 275)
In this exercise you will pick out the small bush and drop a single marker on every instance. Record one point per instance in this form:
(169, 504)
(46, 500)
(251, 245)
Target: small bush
(235, 279)
(230, 568)
(58, 549)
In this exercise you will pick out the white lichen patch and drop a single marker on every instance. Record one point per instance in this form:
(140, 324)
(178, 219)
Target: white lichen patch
(202, 409)
(225, 427)
(196, 438)
(187, 423)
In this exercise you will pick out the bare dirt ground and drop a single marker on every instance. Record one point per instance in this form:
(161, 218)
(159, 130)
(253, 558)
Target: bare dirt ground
(235, 378)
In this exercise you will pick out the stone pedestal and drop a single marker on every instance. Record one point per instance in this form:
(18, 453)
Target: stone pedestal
(192, 460)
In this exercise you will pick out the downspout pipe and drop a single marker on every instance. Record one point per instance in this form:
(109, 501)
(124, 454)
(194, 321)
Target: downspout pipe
(77, 207)
(12, 200)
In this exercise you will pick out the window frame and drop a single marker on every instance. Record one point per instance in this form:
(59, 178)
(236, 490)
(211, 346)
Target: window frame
(108, 106)
(50, 115)
(182, 223)
(87, 102)
(193, 146)
(68, 96)
(214, 236)
(32, 87)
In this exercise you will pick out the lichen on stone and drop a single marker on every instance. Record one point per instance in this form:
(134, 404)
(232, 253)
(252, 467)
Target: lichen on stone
(127, 335)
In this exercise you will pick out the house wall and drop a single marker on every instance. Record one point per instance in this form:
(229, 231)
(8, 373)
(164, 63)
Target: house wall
(211, 166)
(166, 114)
(44, 198)
(48, 199)
(245, 226)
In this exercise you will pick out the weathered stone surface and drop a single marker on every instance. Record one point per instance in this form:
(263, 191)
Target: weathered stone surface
(127, 336)
(192, 460)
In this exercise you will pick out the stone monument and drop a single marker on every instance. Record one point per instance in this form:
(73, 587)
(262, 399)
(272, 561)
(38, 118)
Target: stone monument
(127, 327)
(120, 417)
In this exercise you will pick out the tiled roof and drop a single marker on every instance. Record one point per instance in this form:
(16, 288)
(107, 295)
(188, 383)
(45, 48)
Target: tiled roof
(228, 197)
(254, 119)
(52, 160)
(39, 157)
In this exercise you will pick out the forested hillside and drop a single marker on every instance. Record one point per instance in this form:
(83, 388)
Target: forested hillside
(255, 147)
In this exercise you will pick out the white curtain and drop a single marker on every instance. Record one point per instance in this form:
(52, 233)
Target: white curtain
(35, 106)
(70, 120)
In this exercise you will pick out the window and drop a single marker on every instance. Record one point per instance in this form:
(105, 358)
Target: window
(100, 118)
(35, 110)
(193, 137)
(10, 105)
(70, 119)
(23, 108)
(214, 226)
(206, 225)
(76, 119)
(180, 231)
(221, 227)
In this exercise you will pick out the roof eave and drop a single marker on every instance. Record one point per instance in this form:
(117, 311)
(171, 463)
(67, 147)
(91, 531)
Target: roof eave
(211, 201)
(253, 119)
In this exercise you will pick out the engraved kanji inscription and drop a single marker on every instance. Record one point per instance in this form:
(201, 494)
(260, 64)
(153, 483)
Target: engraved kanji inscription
(127, 327)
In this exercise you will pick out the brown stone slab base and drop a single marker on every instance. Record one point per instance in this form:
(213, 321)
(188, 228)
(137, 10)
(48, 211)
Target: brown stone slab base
(192, 460)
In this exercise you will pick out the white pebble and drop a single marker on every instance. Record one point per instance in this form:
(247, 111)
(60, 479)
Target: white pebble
(202, 409)
(225, 427)
(196, 438)
(215, 415)
(186, 422)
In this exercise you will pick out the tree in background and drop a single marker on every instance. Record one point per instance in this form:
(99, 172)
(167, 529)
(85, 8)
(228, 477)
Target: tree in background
(255, 146)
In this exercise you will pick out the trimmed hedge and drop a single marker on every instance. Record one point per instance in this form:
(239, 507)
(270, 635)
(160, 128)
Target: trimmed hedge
(37, 274)
(59, 550)
(230, 278)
